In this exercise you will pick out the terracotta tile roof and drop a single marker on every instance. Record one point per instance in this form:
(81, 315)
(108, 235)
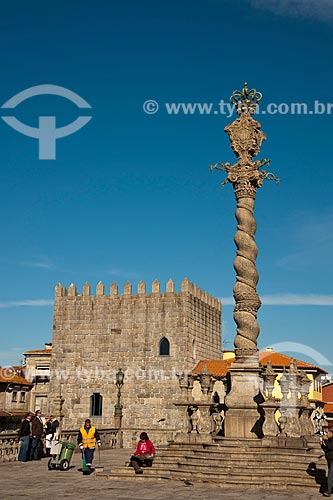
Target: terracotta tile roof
(328, 408)
(220, 367)
(281, 360)
(328, 392)
(9, 376)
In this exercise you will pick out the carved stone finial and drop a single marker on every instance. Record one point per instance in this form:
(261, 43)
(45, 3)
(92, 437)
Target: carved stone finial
(293, 366)
(269, 369)
(245, 100)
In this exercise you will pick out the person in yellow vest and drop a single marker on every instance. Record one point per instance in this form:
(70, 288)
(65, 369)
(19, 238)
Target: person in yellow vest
(87, 439)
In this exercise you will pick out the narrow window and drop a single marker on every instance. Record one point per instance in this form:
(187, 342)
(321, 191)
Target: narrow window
(22, 397)
(96, 403)
(194, 354)
(164, 347)
(14, 397)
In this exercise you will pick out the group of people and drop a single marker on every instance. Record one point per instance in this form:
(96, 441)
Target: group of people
(33, 428)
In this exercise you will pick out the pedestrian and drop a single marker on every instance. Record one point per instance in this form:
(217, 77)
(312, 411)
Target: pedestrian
(143, 455)
(48, 435)
(24, 437)
(87, 438)
(37, 428)
(54, 427)
(326, 442)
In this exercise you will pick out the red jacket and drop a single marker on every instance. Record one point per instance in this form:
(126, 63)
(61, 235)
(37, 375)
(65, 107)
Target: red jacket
(144, 447)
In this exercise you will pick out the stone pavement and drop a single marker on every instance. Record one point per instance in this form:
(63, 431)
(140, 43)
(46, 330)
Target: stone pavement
(33, 480)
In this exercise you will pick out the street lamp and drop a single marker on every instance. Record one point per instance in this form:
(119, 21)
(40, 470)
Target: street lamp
(118, 409)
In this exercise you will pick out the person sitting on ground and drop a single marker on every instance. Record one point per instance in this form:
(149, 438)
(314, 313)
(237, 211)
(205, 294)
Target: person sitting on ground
(143, 455)
(87, 438)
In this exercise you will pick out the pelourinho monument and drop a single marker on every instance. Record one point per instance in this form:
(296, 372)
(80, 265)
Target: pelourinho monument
(246, 176)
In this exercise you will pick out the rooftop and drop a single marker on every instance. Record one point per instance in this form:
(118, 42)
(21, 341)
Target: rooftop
(39, 351)
(220, 367)
(9, 376)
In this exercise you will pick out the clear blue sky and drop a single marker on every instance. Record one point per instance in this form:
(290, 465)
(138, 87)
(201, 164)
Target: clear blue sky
(130, 196)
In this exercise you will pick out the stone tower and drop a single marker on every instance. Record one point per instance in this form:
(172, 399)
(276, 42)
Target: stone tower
(151, 336)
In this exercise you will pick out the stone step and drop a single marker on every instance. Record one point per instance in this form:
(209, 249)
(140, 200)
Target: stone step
(235, 463)
(260, 470)
(206, 470)
(236, 446)
(249, 477)
(244, 461)
(249, 481)
(128, 477)
(255, 447)
(311, 455)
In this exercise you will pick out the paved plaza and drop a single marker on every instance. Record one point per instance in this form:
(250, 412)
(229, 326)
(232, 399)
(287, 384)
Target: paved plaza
(34, 480)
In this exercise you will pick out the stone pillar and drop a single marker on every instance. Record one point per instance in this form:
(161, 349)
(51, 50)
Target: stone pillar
(245, 134)
(271, 405)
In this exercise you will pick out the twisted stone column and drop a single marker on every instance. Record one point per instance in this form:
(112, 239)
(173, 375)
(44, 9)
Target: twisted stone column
(247, 301)
(246, 138)
(244, 417)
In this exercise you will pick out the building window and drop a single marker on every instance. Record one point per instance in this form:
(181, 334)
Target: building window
(14, 397)
(164, 347)
(96, 403)
(194, 354)
(22, 397)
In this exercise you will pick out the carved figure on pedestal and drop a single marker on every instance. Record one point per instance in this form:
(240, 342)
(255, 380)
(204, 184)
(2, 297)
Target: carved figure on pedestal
(217, 421)
(194, 417)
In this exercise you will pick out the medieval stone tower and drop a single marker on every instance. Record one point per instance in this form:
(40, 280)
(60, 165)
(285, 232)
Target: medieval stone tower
(151, 336)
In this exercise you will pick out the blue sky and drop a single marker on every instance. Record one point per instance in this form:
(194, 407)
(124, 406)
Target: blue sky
(130, 195)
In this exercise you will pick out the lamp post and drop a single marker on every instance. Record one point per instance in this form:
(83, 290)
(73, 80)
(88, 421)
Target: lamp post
(118, 409)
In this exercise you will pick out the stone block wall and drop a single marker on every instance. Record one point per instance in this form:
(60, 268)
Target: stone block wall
(95, 335)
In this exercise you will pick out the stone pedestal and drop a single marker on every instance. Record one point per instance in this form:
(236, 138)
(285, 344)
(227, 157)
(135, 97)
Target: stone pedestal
(198, 423)
(270, 427)
(244, 417)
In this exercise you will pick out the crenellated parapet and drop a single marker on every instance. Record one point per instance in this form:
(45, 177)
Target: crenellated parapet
(187, 287)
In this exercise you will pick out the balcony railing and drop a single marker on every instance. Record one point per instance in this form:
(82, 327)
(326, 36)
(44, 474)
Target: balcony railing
(9, 447)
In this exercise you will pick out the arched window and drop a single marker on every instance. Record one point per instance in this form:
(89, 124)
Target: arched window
(96, 405)
(164, 347)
